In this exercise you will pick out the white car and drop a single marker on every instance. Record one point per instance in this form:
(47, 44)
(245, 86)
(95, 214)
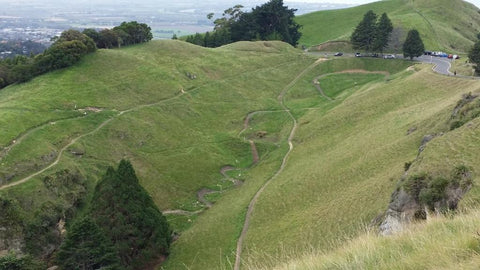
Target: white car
(389, 56)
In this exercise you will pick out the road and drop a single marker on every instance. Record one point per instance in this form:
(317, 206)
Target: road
(441, 65)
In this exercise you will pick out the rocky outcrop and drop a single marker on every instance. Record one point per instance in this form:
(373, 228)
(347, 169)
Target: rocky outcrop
(419, 195)
(401, 210)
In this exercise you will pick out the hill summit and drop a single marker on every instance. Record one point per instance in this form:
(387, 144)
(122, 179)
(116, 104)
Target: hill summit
(450, 25)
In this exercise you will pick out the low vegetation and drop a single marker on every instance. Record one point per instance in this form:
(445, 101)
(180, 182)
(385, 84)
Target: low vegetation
(452, 240)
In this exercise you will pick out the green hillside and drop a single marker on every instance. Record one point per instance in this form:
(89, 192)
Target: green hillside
(318, 144)
(450, 25)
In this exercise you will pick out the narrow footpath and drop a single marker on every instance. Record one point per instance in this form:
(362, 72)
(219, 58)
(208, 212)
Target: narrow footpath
(251, 205)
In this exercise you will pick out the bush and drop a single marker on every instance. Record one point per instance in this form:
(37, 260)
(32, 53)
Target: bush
(14, 262)
(435, 192)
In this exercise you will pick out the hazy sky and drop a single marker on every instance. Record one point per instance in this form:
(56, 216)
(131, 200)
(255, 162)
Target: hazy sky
(358, 2)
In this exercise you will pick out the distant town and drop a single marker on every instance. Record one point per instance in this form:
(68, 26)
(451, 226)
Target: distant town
(25, 24)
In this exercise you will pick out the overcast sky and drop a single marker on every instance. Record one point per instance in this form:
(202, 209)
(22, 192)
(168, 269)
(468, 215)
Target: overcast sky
(358, 2)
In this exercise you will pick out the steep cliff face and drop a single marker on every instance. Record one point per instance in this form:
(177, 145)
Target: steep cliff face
(420, 195)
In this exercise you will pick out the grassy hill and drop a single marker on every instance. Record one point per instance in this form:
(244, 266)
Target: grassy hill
(173, 109)
(178, 113)
(450, 25)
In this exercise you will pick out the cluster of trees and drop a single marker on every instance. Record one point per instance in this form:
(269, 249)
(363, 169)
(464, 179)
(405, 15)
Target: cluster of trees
(65, 51)
(270, 21)
(123, 228)
(127, 33)
(372, 35)
(69, 48)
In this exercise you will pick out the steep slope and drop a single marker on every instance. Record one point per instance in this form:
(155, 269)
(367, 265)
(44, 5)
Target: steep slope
(347, 162)
(206, 128)
(173, 109)
(440, 243)
(450, 25)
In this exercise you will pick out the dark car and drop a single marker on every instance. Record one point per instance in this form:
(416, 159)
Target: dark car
(357, 54)
(338, 54)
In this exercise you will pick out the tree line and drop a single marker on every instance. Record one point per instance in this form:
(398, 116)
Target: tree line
(69, 48)
(270, 21)
(373, 34)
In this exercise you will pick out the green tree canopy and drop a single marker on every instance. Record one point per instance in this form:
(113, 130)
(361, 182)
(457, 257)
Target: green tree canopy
(413, 46)
(134, 32)
(129, 217)
(382, 33)
(363, 36)
(270, 21)
(474, 56)
(74, 35)
(86, 247)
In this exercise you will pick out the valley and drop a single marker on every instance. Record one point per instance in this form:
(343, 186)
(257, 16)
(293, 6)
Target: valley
(259, 154)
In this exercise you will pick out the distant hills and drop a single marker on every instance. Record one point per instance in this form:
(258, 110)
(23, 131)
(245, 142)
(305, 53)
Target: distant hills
(450, 25)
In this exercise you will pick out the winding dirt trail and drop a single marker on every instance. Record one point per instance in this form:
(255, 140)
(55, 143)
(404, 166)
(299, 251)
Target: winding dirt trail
(21, 137)
(249, 116)
(251, 205)
(316, 81)
(136, 108)
(224, 170)
(73, 141)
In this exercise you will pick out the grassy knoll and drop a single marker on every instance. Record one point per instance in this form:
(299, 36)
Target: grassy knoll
(441, 243)
(210, 242)
(444, 25)
(175, 110)
(348, 160)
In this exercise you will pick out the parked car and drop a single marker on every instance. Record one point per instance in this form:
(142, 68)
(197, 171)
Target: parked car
(427, 53)
(338, 54)
(357, 54)
(389, 56)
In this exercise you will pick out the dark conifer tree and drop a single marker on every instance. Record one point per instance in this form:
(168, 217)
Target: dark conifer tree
(130, 218)
(383, 31)
(363, 36)
(474, 56)
(86, 248)
(413, 46)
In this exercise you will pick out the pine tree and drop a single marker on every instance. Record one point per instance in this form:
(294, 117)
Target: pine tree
(130, 218)
(86, 247)
(383, 31)
(413, 46)
(474, 56)
(363, 36)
